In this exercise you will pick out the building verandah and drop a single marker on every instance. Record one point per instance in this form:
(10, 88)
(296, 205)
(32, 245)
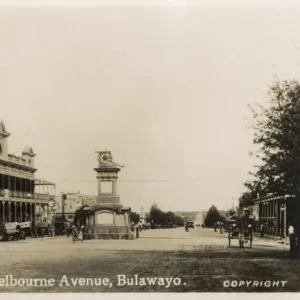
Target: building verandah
(22, 196)
(276, 212)
(12, 211)
(21, 206)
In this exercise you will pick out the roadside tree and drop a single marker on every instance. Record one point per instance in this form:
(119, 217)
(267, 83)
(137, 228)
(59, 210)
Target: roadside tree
(213, 216)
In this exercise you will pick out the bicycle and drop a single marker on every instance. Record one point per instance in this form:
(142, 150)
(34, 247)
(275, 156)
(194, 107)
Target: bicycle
(75, 236)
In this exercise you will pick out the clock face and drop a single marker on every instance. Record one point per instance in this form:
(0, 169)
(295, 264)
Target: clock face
(51, 203)
(105, 158)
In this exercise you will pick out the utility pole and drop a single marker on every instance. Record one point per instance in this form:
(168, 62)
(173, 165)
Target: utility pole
(142, 215)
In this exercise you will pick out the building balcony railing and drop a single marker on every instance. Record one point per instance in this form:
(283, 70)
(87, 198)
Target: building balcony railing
(43, 198)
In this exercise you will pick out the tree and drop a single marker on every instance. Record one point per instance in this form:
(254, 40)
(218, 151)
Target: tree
(277, 133)
(246, 199)
(156, 215)
(212, 216)
(80, 215)
(172, 218)
(134, 217)
(178, 221)
(230, 212)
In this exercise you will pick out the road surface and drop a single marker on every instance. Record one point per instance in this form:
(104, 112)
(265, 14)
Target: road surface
(161, 260)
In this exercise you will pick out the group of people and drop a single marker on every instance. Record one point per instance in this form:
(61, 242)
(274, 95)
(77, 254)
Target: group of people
(267, 228)
(76, 231)
(219, 225)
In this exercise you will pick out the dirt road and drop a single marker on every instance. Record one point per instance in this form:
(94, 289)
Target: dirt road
(172, 259)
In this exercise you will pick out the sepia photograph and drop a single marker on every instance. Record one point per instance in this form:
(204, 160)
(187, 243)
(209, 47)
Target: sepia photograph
(150, 147)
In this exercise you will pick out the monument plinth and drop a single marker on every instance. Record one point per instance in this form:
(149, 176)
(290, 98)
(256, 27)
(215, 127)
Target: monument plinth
(108, 218)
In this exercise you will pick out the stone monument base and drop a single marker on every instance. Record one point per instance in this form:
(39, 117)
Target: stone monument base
(108, 221)
(109, 232)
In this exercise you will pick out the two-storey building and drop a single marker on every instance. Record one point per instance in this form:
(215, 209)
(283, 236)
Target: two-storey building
(67, 204)
(22, 196)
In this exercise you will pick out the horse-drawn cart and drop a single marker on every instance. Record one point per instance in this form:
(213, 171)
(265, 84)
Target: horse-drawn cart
(243, 233)
(43, 229)
(241, 229)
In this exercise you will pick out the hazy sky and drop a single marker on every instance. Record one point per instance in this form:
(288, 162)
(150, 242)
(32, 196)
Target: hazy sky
(165, 89)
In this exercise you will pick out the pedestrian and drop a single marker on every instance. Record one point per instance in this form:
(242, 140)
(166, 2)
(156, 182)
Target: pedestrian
(75, 234)
(186, 227)
(261, 230)
(293, 240)
(221, 228)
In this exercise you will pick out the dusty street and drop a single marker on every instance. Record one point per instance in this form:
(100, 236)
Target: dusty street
(195, 261)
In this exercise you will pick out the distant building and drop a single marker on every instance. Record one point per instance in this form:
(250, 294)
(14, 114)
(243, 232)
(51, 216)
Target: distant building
(68, 203)
(195, 216)
(22, 196)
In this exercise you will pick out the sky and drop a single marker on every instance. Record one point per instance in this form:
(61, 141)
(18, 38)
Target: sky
(165, 89)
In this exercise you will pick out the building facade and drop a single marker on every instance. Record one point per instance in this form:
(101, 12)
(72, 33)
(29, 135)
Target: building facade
(276, 213)
(68, 203)
(22, 196)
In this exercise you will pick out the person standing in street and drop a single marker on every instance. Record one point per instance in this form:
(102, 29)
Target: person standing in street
(186, 227)
(293, 241)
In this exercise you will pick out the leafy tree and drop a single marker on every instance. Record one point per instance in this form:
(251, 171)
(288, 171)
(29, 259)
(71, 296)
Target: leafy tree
(213, 216)
(277, 133)
(134, 217)
(170, 217)
(80, 215)
(246, 199)
(156, 215)
(178, 221)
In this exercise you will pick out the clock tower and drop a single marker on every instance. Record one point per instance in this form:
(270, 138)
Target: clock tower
(107, 176)
(107, 218)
